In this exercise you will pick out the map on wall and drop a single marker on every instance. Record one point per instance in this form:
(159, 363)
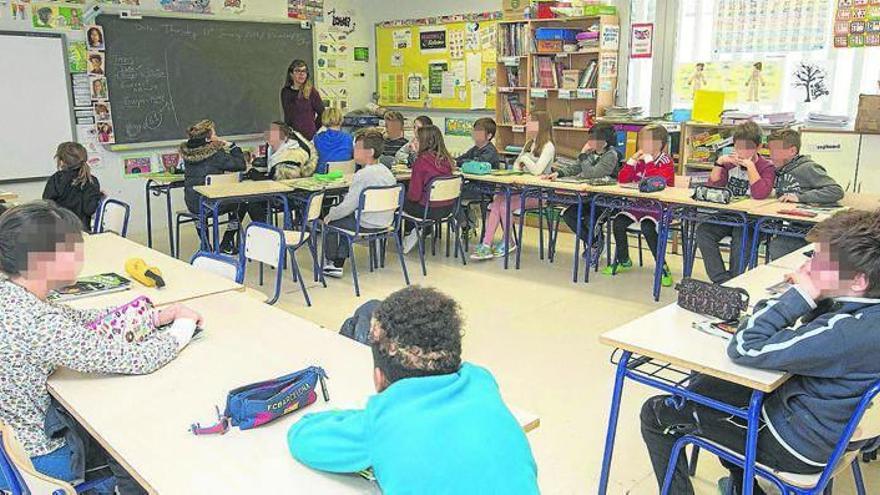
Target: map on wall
(773, 25)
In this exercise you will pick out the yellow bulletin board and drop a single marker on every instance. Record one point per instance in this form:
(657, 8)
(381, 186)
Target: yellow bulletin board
(447, 66)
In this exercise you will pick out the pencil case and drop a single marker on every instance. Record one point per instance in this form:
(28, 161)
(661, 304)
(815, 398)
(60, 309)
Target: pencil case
(132, 321)
(718, 195)
(256, 404)
(726, 303)
(476, 168)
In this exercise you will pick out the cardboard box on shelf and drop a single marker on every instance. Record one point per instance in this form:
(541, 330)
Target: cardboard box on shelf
(868, 116)
(514, 9)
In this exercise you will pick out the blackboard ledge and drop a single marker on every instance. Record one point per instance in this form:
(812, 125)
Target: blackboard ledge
(122, 148)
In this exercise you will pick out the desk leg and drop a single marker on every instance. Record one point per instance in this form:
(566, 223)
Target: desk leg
(752, 441)
(756, 244)
(215, 225)
(577, 239)
(522, 224)
(149, 215)
(170, 221)
(507, 227)
(616, 395)
(590, 228)
(743, 261)
(662, 237)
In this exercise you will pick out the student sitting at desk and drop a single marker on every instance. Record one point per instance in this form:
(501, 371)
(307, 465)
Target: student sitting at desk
(332, 144)
(433, 161)
(483, 150)
(798, 180)
(598, 159)
(73, 186)
(409, 152)
(437, 425)
(822, 331)
(394, 139)
(651, 160)
(367, 150)
(205, 154)
(745, 173)
(536, 158)
(291, 155)
(41, 248)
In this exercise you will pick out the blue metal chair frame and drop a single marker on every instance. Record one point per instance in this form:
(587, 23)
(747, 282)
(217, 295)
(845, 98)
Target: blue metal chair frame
(691, 217)
(242, 259)
(636, 369)
(212, 207)
(312, 229)
(496, 188)
(824, 480)
(370, 237)
(770, 226)
(234, 262)
(643, 205)
(451, 220)
(97, 226)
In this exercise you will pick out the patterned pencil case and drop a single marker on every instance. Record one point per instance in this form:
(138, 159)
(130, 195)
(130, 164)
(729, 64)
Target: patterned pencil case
(256, 404)
(726, 303)
(132, 321)
(718, 195)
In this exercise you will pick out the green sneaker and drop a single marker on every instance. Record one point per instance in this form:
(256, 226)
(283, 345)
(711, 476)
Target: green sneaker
(666, 277)
(499, 249)
(482, 252)
(615, 268)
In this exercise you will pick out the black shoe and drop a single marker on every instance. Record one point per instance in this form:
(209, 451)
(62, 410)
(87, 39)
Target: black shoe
(227, 245)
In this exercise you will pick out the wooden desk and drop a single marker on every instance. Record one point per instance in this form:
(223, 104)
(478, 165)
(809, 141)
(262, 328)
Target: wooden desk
(758, 280)
(245, 188)
(108, 252)
(792, 261)
(142, 420)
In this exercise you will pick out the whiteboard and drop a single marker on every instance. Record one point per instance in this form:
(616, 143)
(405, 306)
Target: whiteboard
(36, 105)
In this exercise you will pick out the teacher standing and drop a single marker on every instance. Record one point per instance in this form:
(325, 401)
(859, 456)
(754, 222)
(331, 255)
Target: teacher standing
(302, 105)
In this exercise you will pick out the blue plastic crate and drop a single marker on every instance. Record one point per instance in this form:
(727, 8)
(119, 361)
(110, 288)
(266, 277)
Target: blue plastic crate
(566, 35)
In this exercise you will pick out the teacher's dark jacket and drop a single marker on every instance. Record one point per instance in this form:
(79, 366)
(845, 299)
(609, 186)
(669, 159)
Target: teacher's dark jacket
(303, 114)
(201, 159)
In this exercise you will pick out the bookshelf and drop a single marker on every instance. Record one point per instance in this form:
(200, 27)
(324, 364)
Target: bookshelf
(560, 82)
(702, 142)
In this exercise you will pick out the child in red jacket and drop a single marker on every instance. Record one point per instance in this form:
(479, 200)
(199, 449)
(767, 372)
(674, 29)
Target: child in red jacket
(651, 160)
(432, 161)
(743, 173)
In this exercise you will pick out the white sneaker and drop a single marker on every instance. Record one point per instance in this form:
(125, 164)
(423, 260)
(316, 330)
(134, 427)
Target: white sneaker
(330, 270)
(410, 241)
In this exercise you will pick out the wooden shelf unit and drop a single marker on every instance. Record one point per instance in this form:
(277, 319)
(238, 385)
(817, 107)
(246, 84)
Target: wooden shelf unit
(687, 163)
(559, 104)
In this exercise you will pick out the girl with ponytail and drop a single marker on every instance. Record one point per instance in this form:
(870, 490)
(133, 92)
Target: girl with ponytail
(73, 186)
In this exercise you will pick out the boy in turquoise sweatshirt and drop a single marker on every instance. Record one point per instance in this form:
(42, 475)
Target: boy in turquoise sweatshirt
(436, 426)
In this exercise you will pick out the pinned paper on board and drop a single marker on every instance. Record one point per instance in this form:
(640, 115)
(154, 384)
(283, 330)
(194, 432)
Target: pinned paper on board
(137, 165)
(456, 43)
(402, 39)
(414, 87)
(708, 106)
(474, 66)
(397, 59)
(51, 16)
(448, 85)
(432, 39)
(478, 95)
(472, 39)
(435, 77)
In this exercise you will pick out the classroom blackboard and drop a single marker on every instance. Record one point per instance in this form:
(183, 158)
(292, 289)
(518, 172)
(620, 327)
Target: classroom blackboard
(164, 74)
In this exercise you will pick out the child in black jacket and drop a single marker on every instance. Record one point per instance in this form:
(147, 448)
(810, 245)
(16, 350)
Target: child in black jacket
(73, 187)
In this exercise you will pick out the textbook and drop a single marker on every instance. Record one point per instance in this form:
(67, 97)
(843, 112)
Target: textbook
(95, 285)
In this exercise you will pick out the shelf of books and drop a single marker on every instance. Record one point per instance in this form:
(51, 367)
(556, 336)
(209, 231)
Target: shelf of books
(566, 67)
(703, 143)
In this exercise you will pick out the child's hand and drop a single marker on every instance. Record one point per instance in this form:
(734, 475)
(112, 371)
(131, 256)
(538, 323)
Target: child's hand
(552, 176)
(175, 311)
(789, 198)
(638, 155)
(586, 147)
(726, 160)
(803, 279)
(184, 312)
(746, 163)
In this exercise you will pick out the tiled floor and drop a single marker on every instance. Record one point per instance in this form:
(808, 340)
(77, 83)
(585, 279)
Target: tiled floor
(538, 333)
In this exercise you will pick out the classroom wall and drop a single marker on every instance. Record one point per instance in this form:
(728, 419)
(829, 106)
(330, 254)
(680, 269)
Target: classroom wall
(132, 190)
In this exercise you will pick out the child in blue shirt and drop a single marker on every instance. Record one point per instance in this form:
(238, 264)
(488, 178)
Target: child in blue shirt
(332, 143)
(437, 425)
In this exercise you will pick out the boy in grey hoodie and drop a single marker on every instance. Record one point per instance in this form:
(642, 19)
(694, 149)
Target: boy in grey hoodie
(798, 180)
(822, 331)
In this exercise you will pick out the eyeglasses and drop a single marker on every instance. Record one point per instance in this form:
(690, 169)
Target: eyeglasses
(300, 71)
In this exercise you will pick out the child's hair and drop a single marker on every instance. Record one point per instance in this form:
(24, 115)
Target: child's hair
(424, 120)
(431, 141)
(657, 133)
(201, 130)
(306, 89)
(35, 227)
(394, 116)
(332, 117)
(371, 140)
(417, 333)
(73, 156)
(486, 125)
(748, 131)
(853, 238)
(789, 138)
(545, 130)
(603, 132)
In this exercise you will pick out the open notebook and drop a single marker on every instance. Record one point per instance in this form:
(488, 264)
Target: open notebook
(94, 285)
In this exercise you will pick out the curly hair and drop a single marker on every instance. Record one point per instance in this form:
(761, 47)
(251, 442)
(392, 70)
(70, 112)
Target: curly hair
(417, 332)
